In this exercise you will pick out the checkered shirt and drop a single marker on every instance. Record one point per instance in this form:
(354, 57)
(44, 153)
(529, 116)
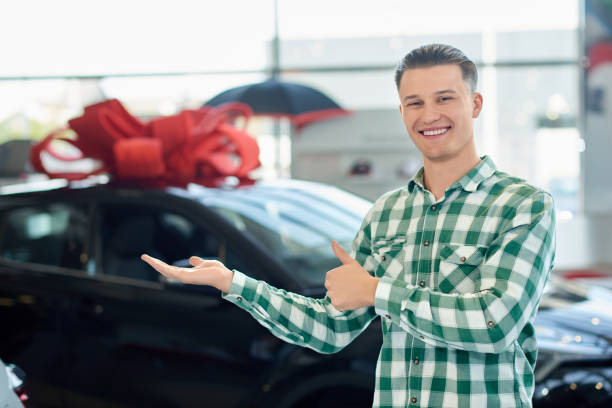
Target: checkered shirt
(460, 282)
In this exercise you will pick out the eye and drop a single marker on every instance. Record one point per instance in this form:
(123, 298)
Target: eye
(415, 103)
(445, 98)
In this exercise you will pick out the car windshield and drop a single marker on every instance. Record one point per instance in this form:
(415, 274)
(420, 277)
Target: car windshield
(295, 221)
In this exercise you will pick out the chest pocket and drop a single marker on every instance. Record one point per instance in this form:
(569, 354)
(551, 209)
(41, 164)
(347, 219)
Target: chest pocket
(389, 256)
(458, 270)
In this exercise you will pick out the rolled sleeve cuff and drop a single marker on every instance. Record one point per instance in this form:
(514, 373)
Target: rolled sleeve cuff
(243, 289)
(387, 301)
(391, 298)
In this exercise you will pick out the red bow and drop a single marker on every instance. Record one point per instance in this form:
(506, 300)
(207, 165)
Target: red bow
(200, 146)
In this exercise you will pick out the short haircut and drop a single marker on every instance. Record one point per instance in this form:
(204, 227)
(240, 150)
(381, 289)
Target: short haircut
(438, 54)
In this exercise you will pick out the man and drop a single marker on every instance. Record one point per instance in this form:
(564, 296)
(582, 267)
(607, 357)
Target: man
(454, 263)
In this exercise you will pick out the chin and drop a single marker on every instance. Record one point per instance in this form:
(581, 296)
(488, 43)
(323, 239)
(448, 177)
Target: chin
(438, 156)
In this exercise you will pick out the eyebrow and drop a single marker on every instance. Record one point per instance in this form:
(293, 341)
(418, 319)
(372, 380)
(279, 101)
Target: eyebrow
(444, 91)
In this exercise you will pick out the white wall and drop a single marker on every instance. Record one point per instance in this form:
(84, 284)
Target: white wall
(325, 151)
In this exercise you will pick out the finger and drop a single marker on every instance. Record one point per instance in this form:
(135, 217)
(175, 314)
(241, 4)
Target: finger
(151, 261)
(158, 265)
(196, 261)
(342, 255)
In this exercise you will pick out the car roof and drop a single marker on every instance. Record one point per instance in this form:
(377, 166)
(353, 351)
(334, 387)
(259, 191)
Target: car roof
(197, 192)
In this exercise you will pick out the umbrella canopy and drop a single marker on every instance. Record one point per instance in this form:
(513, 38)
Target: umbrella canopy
(301, 104)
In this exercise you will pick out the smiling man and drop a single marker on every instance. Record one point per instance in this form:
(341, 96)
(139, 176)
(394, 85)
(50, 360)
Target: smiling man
(454, 263)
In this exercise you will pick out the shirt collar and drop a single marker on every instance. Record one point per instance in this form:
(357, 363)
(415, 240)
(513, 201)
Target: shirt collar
(469, 182)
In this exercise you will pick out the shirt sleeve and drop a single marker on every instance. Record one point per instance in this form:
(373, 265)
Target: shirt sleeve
(308, 322)
(512, 279)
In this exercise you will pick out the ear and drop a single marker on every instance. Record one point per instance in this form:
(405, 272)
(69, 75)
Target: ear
(400, 109)
(477, 104)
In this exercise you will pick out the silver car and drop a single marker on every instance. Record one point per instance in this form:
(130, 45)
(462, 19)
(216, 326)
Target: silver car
(11, 386)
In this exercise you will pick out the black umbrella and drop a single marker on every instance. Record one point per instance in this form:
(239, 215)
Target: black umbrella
(301, 104)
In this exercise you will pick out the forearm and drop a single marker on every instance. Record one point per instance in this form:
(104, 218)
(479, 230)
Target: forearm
(308, 322)
(463, 322)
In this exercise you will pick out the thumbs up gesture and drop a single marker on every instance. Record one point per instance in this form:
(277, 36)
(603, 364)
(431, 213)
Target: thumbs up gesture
(349, 286)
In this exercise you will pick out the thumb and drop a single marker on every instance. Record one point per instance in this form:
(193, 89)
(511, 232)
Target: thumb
(195, 261)
(342, 255)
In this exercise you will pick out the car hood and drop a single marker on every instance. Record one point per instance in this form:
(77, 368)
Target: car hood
(580, 321)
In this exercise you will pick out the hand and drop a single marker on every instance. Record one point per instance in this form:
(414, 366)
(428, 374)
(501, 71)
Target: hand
(211, 273)
(349, 286)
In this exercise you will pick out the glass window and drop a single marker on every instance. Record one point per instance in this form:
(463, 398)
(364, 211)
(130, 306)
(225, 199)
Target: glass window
(152, 96)
(54, 234)
(32, 109)
(129, 231)
(536, 45)
(352, 90)
(135, 37)
(537, 130)
(365, 19)
(296, 225)
(367, 52)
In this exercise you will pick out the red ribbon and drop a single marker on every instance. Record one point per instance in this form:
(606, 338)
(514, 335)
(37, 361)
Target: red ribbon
(200, 146)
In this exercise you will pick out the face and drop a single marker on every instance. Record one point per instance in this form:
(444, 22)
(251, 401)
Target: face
(438, 110)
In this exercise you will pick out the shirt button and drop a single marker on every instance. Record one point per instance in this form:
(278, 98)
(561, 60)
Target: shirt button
(463, 259)
(416, 361)
(239, 298)
(434, 208)
(426, 243)
(422, 284)
(491, 324)
(414, 400)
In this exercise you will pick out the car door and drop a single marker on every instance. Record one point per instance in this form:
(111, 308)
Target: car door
(144, 341)
(44, 247)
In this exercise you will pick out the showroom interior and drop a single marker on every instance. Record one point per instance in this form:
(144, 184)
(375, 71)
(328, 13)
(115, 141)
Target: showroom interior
(545, 74)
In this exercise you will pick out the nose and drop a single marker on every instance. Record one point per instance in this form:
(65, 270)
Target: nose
(431, 114)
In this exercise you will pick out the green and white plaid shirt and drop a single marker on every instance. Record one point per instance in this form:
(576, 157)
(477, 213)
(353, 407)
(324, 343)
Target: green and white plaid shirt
(460, 282)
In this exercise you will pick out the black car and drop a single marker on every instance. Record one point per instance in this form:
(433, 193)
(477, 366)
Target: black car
(92, 325)
(574, 332)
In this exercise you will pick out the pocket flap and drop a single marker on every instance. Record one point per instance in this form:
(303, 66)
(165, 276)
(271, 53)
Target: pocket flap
(386, 245)
(463, 254)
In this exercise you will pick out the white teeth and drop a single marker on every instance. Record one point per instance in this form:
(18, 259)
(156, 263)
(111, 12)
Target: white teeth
(434, 132)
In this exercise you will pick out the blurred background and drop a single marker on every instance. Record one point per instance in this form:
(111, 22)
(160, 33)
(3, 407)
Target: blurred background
(159, 58)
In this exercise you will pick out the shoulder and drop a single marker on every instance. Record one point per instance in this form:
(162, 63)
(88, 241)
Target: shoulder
(387, 202)
(520, 202)
(515, 191)
(391, 199)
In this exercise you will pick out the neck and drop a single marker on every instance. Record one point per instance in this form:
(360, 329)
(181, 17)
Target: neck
(440, 174)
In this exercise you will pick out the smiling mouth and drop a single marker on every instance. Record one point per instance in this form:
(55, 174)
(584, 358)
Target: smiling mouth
(434, 132)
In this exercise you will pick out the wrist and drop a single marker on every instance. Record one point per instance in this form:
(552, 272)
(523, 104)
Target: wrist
(225, 280)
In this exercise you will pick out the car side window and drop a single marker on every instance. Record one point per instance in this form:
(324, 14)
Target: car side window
(129, 231)
(52, 234)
